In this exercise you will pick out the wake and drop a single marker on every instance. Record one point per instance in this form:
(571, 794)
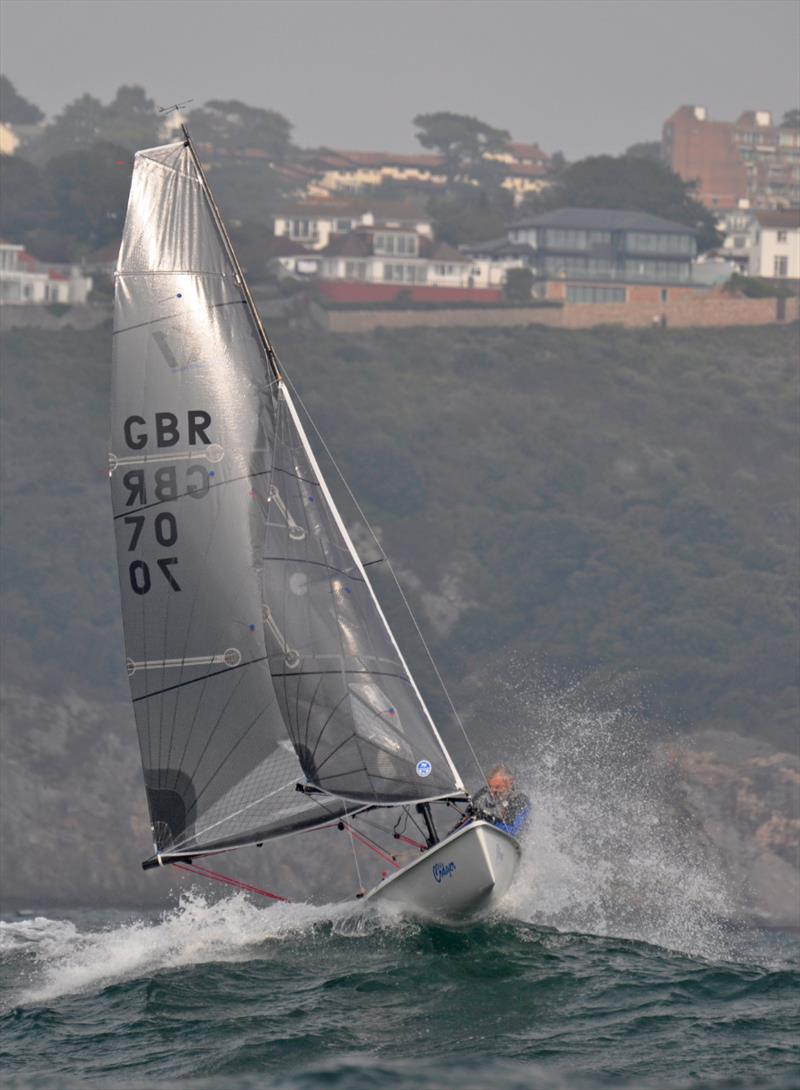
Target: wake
(63, 960)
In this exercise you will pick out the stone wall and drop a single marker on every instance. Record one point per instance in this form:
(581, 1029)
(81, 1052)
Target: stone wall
(711, 309)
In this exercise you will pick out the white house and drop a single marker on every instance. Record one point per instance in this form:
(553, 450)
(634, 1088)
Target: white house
(381, 255)
(775, 248)
(355, 170)
(23, 279)
(492, 260)
(737, 226)
(315, 223)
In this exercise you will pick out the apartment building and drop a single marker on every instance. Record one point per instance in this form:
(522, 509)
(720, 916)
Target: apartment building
(750, 159)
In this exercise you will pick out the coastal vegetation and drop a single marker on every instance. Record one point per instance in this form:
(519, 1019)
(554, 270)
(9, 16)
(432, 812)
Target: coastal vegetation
(610, 503)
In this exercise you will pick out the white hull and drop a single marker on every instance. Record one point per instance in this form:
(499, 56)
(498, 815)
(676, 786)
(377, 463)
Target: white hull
(466, 873)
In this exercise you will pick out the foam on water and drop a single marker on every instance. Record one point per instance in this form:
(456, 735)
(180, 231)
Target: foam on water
(610, 849)
(66, 960)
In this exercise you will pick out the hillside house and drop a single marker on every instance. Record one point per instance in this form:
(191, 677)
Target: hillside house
(353, 171)
(598, 255)
(315, 223)
(525, 168)
(775, 247)
(378, 263)
(25, 280)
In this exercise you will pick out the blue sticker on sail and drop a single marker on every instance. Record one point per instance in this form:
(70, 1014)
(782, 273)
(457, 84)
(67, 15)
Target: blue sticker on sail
(423, 768)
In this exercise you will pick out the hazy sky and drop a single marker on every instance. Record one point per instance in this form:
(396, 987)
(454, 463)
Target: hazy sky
(582, 77)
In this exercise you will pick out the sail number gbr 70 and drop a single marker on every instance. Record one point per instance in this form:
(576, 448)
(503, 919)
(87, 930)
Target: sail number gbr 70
(167, 483)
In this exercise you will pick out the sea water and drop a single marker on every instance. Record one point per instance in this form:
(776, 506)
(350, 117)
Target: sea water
(619, 959)
(230, 994)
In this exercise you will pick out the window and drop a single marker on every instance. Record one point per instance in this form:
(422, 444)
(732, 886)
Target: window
(355, 270)
(405, 274)
(402, 245)
(342, 226)
(664, 294)
(565, 238)
(302, 228)
(652, 242)
(657, 271)
(591, 268)
(783, 236)
(781, 266)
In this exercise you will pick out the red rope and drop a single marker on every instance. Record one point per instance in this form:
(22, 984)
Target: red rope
(204, 872)
(373, 847)
(408, 840)
(236, 883)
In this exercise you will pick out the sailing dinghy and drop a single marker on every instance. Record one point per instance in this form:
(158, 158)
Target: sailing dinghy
(270, 695)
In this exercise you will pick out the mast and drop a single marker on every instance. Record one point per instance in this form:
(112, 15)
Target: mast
(266, 344)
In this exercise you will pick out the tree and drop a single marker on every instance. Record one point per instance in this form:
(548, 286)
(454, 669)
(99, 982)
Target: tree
(637, 184)
(131, 119)
(466, 213)
(461, 139)
(24, 205)
(234, 126)
(79, 125)
(791, 119)
(518, 285)
(89, 193)
(646, 149)
(14, 109)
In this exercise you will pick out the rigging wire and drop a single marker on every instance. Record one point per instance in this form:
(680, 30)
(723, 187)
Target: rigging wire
(361, 887)
(287, 379)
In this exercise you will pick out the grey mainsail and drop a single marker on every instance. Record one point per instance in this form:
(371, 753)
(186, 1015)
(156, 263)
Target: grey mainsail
(257, 654)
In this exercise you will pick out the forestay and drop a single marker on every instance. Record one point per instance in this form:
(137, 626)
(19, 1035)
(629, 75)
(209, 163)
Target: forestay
(229, 687)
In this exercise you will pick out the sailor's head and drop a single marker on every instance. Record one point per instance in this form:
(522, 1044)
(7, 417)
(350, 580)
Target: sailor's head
(500, 780)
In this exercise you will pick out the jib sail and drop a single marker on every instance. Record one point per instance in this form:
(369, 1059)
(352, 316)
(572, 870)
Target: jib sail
(353, 712)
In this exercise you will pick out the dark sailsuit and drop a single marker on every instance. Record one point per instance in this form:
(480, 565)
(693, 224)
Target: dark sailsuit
(508, 812)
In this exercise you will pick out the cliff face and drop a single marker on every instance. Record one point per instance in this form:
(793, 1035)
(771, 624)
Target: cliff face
(745, 797)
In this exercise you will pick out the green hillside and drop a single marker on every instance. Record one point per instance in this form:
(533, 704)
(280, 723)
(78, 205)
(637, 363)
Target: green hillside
(610, 497)
(612, 504)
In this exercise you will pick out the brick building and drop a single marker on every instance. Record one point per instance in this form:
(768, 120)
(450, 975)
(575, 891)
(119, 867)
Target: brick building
(750, 159)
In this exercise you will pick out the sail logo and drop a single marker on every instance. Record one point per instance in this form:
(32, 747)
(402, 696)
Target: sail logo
(423, 768)
(442, 871)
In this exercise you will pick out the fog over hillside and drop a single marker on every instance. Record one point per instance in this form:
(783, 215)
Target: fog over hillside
(609, 514)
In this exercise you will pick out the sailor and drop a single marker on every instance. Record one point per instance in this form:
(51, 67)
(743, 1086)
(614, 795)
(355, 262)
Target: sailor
(500, 803)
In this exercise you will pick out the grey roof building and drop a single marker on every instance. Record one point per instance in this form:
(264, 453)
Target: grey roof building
(609, 245)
